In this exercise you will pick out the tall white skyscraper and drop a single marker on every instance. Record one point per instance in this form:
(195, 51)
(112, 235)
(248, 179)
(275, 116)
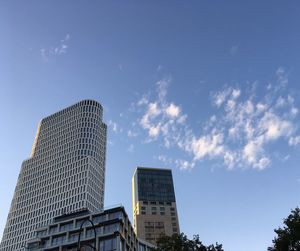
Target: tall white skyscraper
(64, 173)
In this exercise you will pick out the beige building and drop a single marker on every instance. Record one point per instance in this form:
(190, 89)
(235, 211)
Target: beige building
(154, 204)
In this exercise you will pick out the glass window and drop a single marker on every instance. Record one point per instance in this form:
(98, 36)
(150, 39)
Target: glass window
(108, 245)
(66, 226)
(73, 236)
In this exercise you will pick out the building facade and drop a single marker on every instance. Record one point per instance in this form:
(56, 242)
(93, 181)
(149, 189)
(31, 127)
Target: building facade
(154, 204)
(107, 230)
(65, 172)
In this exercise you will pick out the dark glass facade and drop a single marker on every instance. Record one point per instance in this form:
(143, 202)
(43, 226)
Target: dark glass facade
(154, 185)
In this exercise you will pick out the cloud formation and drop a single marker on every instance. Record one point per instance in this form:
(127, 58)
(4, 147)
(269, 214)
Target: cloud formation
(239, 132)
(114, 127)
(58, 50)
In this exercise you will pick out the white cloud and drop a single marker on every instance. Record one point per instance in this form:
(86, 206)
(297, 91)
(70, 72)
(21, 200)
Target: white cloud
(230, 159)
(252, 152)
(162, 158)
(211, 145)
(280, 102)
(114, 126)
(282, 78)
(294, 141)
(172, 110)
(182, 119)
(58, 50)
(239, 131)
(220, 97)
(131, 134)
(162, 86)
(230, 104)
(262, 163)
(184, 164)
(229, 93)
(286, 158)
(273, 127)
(154, 131)
(236, 93)
(151, 113)
(159, 68)
(294, 111)
(260, 107)
(165, 159)
(143, 101)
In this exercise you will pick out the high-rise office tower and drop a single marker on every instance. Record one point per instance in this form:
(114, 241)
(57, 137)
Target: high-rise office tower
(154, 204)
(64, 173)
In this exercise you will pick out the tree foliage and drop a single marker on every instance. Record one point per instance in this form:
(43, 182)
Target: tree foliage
(182, 243)
(288, 237)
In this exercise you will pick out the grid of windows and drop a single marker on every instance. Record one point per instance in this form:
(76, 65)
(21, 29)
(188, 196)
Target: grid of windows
(64, 173)
(154, 204)
(112, 226)
(155, 185)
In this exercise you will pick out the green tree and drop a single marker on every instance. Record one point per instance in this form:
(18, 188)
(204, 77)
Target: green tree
(182, 243)
(288, 237)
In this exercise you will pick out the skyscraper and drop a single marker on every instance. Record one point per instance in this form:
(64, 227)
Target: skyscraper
(64, 173)
(154, 204)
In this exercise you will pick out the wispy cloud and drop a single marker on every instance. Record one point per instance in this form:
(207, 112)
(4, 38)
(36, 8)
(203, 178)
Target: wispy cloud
(132, 134)
(234, 50)
(131, 148)
(114, 126)
(60, 49)
(238, 132)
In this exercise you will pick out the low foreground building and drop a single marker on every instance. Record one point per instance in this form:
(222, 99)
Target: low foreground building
(107, 230)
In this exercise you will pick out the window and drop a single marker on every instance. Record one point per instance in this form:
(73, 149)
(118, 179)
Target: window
(53, 229)
(66, 226)
(108, 245)
(58, 239)
(73, 236)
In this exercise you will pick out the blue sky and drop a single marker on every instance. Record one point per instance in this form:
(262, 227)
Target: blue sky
(209, 89)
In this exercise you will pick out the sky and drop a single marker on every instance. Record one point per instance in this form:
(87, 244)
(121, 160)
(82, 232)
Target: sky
(209, 89)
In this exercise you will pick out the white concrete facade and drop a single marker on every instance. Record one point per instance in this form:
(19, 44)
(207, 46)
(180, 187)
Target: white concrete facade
(65, 172)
